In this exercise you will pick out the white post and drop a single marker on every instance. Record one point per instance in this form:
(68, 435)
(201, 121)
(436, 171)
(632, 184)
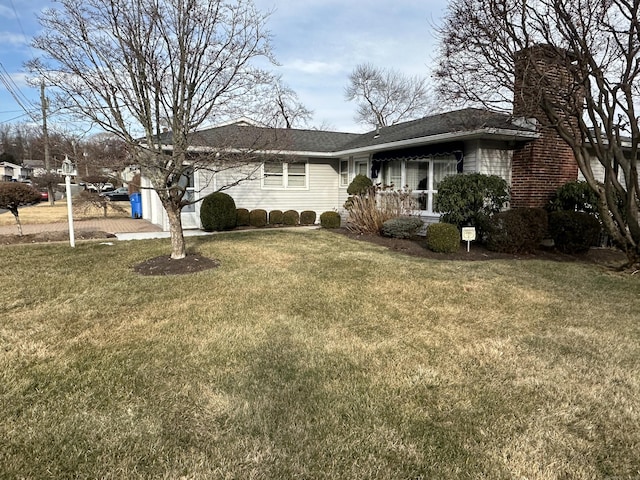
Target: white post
(67, 169)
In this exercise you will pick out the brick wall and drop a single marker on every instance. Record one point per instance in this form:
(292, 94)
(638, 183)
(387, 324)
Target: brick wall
(545, 164)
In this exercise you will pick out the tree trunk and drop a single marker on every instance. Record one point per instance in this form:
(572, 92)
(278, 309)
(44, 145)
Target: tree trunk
(178, 247)
(17, 217)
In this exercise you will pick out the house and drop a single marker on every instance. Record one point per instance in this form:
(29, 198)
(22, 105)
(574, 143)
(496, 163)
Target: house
(314, 168)
(10, 172)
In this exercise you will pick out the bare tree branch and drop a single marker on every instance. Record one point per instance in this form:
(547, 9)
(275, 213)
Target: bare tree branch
(385, 97)
(598, 43)
(138, 68)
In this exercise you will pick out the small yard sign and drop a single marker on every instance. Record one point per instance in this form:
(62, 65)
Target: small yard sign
(468, 235)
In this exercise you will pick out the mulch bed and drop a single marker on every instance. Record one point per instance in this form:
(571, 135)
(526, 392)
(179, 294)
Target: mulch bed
(164, 265)
(417, 247)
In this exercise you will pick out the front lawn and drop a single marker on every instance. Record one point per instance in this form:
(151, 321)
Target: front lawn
(309, 355)
(45, 213)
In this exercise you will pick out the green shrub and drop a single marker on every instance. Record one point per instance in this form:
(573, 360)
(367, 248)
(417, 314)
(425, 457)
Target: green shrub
(275, 217)
(359, 185)
(469, 199)
(218, 212)
(258, 217)
(576, 196)
(243, 217)
(402, 227)
(443, 238)
(519, 230)
(330, 220)
(573, 232)
(307, 217)
(291, 217)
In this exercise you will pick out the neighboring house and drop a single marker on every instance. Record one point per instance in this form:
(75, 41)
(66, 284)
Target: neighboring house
(10, 172)
(314, 168)
(37, 167)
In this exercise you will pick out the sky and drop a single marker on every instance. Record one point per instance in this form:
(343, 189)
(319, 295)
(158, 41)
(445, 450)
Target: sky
(317, 44)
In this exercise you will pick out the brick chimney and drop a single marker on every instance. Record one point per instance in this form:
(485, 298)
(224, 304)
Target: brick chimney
(543, 165)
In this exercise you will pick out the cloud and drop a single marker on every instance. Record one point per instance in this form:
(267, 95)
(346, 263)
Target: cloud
(13, 39)
(313, 67)
(6, 12)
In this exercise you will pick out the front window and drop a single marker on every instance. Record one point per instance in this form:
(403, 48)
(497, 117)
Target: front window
(273, 175)
(421, 176)
(393, 174)
(362, 168)
(344, 173)
(296, 175)
(285, 175)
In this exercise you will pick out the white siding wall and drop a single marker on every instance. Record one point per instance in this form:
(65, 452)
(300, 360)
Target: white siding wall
(598, 171)
(321, 195)
(492, 160)
(152, 209)
(471, 156)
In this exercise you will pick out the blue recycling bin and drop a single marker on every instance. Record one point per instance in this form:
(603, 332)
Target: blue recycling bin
(136, 205)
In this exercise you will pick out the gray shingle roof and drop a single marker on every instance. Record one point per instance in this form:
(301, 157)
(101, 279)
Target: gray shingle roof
(261, 138)
(235, 136)
(468, 119)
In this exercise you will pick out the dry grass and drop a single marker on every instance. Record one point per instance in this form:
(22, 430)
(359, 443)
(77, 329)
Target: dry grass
(45, 213)
(306, 355)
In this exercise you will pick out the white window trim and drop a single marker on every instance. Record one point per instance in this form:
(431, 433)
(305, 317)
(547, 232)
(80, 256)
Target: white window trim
(285, 178)
(342, 172)
(430, 192)
(356, 166)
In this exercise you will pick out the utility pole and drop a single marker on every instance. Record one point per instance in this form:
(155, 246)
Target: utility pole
(45, 138)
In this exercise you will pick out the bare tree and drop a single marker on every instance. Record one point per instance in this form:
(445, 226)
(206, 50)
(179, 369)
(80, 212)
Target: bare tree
(277, 105)
(597, 43)
(102, 154)
(385, 97)
(152, 72)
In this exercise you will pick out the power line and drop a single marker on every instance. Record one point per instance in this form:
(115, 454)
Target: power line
(16, 118)
(15, 92)
(24, 35)
(6, 79)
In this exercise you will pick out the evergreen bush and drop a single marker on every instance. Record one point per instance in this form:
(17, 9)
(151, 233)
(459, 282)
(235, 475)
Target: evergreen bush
(275, 217)
(307, 217)
(330, 220)
(519, 230)
(469, 199)
(573, 232)
(243, 217)
(575, 196)
(443, 238)
(291, 217)
(402, 227)
(258, 217)
(359, 185)
(218, 212)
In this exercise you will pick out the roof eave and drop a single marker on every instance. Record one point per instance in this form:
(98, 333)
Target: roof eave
(502, 134)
